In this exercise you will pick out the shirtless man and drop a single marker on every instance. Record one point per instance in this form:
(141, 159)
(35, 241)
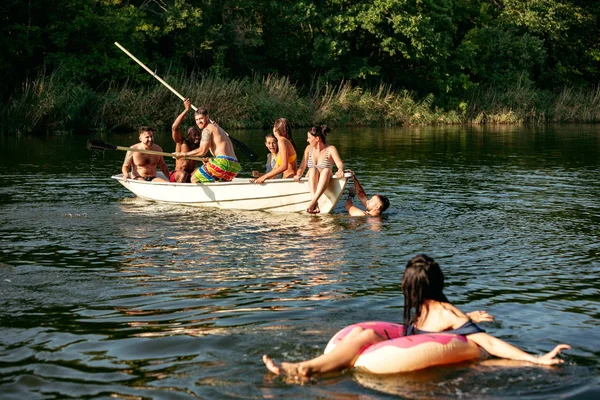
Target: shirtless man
(374, 206)
(184, 168)
(223, 166)
(143, 166)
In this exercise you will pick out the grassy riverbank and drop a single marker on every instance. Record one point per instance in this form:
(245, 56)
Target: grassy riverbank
(51, 104)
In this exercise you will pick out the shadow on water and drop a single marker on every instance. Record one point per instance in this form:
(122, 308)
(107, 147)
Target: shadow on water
(106, 295)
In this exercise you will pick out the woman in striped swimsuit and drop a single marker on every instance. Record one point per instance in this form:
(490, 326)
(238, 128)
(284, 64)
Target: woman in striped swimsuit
(319, 158)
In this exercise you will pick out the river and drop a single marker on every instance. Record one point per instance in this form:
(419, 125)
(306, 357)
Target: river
(108, 296)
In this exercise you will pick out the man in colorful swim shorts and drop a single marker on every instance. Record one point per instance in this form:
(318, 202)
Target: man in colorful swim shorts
(223, 166)
(143, 165)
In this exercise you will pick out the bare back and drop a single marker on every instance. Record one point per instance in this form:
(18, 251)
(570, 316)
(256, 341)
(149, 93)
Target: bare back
(438, 317)
(292, 165)
(220, 143)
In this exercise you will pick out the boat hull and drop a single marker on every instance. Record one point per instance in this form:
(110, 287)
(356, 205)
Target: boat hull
(275, 195)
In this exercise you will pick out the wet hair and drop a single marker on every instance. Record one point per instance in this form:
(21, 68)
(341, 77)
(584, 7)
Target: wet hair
(423, 279)
(385, 202)
(320, 131)
(145, 129)
(284, 128)
(201, 111)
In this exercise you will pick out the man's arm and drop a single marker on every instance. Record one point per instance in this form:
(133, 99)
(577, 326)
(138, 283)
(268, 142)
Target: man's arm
(360, 192)
(175, 131)
(352, 209)
(204, 147)
(163, 167)
(126, 165)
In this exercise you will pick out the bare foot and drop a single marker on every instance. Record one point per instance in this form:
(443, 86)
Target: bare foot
(270, 364)
(294, 370)
(313, 209)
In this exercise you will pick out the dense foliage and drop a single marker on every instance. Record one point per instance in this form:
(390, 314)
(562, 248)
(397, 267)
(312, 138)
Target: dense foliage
(448, 48)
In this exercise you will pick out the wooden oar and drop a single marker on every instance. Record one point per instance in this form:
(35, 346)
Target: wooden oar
(93, 144)
(239, 144)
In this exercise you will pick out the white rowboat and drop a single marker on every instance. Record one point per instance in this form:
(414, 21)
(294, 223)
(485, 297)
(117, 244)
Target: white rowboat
(276, 195)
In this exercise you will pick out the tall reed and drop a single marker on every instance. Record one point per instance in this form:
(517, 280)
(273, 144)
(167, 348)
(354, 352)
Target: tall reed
(53, 103)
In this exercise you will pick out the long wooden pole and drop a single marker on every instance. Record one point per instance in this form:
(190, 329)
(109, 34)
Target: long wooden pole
(153, 74)
(243, 146)
(100, 145)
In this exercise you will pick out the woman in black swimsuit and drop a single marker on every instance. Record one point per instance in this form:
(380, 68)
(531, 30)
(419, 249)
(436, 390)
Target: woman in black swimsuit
(426, 310)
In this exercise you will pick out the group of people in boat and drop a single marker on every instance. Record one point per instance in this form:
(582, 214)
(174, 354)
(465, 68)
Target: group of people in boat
(426, 308)
(318, 158)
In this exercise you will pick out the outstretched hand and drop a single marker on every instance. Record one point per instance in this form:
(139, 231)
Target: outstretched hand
(480, 316)
(550, 358)
(259, 180)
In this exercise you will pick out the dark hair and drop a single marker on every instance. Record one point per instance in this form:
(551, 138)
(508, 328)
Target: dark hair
(284, 128)
(423, 279)
(320, 131)
(192, 129)
(145, 129)
(385, 202)
(201, 111)
(188, 139)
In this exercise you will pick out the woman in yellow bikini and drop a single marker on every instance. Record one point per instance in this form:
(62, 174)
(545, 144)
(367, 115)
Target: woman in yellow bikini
(286, 156)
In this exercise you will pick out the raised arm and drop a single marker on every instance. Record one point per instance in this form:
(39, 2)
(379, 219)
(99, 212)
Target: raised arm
(175, 131)
(360, 192)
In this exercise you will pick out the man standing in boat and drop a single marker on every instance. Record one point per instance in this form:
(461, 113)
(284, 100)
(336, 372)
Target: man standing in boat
(223, 166)
(183, 167)
(373, 206)
(143, 166)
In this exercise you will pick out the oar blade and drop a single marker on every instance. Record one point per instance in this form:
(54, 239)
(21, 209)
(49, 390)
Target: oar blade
(244, 148)
(94, 144)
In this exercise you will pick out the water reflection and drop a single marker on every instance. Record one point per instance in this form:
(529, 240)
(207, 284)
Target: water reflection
(106, 295)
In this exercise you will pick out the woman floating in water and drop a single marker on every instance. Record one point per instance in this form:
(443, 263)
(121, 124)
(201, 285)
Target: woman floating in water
(319, 158)
(426, 310)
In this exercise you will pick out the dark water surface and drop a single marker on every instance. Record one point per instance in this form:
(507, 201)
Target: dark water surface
(108, 296)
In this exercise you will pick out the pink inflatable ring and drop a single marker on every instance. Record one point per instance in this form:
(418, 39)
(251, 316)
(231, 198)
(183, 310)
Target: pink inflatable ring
(407, 353)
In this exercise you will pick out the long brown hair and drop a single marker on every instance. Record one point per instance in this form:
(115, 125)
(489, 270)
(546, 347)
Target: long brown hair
(423, 279)
(284, 128)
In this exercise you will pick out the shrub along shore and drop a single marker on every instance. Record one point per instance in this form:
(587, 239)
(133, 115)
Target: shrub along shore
(54, 105)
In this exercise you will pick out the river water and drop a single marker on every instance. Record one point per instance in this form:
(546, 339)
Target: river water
(108, 296)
